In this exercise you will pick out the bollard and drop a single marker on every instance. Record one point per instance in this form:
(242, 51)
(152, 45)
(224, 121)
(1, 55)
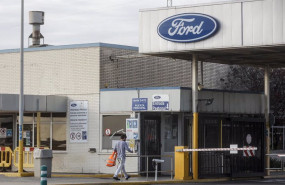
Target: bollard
(43, 175)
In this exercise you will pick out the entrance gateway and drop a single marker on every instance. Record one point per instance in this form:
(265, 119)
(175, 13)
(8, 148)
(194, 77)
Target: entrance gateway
(250, 32)
(162, 130)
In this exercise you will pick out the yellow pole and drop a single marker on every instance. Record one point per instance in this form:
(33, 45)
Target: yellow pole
(38, 129)
(21, 161)
(195, 146)
(195, 115)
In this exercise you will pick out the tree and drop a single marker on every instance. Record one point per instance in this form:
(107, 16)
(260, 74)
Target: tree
(243, 78)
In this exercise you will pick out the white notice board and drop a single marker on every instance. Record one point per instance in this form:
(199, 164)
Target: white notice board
(132, 129)
(78, 117)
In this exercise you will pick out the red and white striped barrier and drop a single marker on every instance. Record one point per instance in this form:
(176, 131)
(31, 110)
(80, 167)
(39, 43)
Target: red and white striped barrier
(31, 149)
(248, 153)
(216, 149)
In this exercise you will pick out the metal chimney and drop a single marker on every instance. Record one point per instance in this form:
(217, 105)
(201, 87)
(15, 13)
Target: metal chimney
(36, 19)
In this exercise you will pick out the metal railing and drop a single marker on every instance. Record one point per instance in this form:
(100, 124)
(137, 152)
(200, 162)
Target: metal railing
(171, 171)
(28, 156)
(278, 157)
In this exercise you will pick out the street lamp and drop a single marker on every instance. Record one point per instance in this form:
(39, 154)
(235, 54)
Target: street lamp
(21, 96)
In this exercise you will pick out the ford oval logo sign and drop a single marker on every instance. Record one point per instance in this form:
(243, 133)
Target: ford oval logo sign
(188, 27)
(73, 105)
(157, 97)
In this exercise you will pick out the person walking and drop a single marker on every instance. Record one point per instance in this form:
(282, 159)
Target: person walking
(121, 148)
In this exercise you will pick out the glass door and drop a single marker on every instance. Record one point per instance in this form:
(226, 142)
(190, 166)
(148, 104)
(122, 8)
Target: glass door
(169, 138)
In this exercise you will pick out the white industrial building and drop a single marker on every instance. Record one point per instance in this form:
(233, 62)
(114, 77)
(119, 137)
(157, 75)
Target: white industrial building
(105, 78)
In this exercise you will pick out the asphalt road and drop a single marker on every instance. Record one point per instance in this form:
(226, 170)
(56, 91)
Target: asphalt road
(276, 181)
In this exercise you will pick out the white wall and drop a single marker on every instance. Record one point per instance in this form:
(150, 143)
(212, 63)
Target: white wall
(69, 72)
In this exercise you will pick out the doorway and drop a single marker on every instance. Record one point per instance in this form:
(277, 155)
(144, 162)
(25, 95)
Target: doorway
(150, 140)
(6, 130)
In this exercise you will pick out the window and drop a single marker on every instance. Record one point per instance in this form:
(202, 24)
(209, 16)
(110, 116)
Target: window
(170, 132)
(59, 131)
(52, 125)
(27, 129)
(117, 126)
(277, 137)
(6, 121)
(45, 124)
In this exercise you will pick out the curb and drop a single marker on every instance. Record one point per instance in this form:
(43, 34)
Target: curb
(154, 182)
(87, 175)
(16, 174)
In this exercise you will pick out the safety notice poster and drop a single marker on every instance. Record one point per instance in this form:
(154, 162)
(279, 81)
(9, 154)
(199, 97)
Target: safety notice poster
(132, 129)
(78, 117)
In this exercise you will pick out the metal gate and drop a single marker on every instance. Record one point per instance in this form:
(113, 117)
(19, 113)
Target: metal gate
(221, 132)
(150, 140)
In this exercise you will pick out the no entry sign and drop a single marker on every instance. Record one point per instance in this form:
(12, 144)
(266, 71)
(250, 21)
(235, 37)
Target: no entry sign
(108, 132)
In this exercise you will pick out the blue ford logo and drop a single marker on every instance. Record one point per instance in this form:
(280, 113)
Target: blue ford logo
(73, 105)
(157, 97)
(188, 27)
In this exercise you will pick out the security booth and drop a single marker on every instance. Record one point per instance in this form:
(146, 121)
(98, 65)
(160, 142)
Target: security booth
(165, 119)
(245, 32)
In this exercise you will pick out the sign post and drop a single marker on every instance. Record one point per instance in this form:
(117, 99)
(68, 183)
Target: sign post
(21, 97)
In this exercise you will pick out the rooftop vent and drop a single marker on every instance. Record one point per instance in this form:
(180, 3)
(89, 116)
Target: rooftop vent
(36, 18)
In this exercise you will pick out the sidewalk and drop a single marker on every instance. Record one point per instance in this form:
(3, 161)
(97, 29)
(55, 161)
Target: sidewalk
(92, 179)
(75, 179)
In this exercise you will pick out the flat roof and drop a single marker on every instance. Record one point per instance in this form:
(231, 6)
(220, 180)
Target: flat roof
(198, 4)
(272, 56)
(71, 46)
(181, 88)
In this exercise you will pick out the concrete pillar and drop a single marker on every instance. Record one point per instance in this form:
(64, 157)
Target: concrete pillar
(266, 112)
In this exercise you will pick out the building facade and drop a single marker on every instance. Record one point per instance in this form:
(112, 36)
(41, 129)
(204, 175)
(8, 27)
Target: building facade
(77, 73)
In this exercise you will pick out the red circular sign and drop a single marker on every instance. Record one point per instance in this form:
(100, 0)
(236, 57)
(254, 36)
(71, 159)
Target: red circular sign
(108, 132)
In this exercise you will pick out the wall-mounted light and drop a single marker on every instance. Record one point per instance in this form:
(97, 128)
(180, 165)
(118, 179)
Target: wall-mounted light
(208, 101)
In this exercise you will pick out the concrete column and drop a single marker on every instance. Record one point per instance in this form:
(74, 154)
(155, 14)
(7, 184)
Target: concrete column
(195, 116)
(266, 112)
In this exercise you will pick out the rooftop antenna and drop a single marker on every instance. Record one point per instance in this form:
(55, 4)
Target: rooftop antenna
(169, 3)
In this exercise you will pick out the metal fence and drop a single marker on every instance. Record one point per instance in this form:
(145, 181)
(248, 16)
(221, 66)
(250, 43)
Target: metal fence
(224, 164)
(276, 162)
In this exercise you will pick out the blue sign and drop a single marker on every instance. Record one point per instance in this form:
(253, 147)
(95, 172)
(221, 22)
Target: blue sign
(160, 106)
(139, 104)
(160, 102)
(188, 27)
(20, 132)
(9, 133)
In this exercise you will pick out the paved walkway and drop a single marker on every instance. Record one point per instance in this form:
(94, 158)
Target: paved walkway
(76, 180)
(83, 179)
